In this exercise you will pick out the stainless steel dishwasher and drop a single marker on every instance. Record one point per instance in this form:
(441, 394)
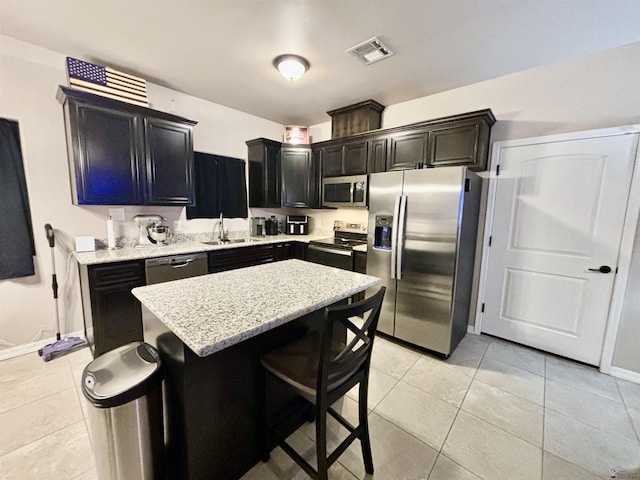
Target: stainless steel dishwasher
(166, 269)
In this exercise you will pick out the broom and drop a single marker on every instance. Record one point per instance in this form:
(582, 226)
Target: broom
(60, 346)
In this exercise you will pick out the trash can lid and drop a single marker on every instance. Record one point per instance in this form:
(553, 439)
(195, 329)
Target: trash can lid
(121, 375)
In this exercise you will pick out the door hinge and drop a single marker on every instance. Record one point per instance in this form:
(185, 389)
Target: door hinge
(482, 308)
(497, 170)
(490, 239)
(467, 185)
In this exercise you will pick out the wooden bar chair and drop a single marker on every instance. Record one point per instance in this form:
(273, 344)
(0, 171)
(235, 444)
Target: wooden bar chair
(322, 370)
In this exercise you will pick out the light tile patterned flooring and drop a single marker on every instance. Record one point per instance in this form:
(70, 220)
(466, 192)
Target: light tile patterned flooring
(492, 411)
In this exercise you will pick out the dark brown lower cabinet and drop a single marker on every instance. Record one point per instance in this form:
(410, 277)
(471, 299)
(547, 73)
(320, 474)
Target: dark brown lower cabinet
(289, 250)
(221, 260)
(112, 315)
(360, 266)
(248, 256)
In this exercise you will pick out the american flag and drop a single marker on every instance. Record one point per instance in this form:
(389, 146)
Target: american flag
(107, 82)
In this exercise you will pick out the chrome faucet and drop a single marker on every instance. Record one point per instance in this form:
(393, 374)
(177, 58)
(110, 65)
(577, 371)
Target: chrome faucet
(222, 235)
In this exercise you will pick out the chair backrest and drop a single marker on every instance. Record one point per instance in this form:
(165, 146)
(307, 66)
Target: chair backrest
(340, 361)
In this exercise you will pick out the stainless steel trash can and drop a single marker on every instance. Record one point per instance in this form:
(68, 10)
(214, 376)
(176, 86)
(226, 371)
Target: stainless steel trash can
(124, 386)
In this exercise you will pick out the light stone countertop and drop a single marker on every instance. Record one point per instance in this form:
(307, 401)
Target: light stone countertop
(179, 248)
(213, 312)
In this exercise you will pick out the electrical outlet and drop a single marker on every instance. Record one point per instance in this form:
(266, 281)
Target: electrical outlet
(117, 214)
(177, 225)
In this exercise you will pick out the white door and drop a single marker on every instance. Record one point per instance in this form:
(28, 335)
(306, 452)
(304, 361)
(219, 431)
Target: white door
(558, 216)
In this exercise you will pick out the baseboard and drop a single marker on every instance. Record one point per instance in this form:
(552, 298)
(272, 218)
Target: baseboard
(33, 347)
(625, 374)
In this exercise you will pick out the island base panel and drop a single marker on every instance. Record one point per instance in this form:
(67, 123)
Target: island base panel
(218, 402)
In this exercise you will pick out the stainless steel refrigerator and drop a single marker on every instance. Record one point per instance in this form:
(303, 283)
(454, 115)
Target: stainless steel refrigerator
(421, 241)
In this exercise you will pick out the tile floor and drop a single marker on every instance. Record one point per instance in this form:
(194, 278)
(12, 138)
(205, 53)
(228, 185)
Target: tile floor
(492, 411)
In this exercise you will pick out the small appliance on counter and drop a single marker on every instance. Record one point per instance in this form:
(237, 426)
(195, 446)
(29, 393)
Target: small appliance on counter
(297, 225)
(271, 226)
(257, 226)
(152, 233)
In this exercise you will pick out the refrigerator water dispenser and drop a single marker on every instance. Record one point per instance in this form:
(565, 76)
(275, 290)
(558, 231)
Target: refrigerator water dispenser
(382, 232)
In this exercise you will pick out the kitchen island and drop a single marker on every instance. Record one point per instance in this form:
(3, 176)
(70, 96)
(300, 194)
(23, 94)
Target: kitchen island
(220, 325)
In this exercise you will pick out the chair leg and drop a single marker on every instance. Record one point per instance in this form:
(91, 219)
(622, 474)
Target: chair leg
(363, 418)
(321, 442)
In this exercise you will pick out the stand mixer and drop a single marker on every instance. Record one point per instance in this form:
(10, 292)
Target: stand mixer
(152, 232)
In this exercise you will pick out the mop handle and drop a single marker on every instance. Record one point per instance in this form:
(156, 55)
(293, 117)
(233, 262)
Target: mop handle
(54, 278)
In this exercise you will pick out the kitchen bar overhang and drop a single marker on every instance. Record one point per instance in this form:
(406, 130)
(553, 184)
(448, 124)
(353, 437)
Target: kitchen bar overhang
(220, 325)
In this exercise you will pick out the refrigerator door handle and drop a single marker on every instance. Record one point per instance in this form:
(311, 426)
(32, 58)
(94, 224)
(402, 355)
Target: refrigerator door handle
(401, 234)
(394, 237)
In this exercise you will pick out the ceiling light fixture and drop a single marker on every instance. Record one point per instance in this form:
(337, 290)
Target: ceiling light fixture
(292, 67)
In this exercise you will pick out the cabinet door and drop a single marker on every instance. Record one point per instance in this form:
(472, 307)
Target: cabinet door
(377, 155)
(355, 158)
(298, 251)
(116, 313)
(281, 251)
(105, 156)
(169, 163)
(457, 144)
(264, 173)
(332, 161)
(230, 259)
(360, 266)
(408, 150)
(299, 178)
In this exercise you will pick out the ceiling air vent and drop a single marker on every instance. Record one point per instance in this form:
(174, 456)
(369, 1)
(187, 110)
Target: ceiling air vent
(371, 51)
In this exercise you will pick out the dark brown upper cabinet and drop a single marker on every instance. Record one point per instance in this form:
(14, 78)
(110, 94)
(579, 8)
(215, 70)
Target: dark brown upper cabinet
(169, 155)
(408, 149)
(455, 140)
(377, 154)
(300, 180)
(283, 175)
(344, 158)
(265, 178)
(123, 154)
(460, 143)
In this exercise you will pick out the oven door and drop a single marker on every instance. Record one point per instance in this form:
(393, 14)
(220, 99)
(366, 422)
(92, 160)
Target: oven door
(332, 257)
(345, 191)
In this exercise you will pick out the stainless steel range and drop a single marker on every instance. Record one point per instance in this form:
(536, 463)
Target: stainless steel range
(337, 251)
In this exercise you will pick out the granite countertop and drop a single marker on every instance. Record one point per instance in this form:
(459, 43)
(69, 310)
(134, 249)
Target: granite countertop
(213, 312)
(179, 248)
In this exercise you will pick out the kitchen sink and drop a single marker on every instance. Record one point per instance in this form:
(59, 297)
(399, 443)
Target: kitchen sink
(235, 240)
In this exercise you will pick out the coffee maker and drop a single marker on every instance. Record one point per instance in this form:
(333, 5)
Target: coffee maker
(151, 231)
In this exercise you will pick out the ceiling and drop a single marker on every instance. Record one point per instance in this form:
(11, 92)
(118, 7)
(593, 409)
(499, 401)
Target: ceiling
(222, 50)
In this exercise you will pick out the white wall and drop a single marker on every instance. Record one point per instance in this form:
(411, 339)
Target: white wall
(597, 91)
(592, 92)
(29, 79)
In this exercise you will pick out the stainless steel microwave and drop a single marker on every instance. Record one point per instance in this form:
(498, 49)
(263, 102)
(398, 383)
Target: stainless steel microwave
(348, 191)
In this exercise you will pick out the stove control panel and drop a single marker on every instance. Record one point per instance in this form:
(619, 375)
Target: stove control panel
(342, 226)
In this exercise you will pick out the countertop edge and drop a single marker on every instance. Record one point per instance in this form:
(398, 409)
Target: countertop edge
(157, 299)
(125, 254)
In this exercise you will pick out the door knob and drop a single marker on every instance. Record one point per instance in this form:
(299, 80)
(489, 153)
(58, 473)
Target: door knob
(602, 269)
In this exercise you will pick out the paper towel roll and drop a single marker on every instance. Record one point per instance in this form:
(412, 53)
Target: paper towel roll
(111, 234)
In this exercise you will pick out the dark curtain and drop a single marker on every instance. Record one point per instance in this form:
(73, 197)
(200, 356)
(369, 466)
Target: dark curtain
(221, 187)
(16, 235)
